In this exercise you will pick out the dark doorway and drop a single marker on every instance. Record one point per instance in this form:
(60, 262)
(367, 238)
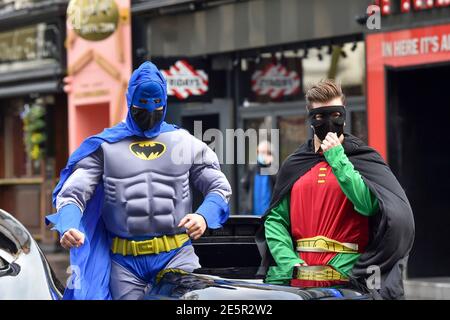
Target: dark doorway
(418, 115)
(208, 121)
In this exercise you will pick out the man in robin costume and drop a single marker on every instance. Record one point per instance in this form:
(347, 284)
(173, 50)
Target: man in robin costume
(338, 215)
(124, 201)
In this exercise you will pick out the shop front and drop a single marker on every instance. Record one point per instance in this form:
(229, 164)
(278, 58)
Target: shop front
(259, 56)
(273, 85)
(408, 109)
(33, 112)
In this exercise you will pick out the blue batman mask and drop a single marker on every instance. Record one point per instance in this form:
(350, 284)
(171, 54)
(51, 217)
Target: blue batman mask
(146, 100)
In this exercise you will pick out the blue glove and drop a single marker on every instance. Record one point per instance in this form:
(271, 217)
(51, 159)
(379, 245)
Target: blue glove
(215, 211)
(66, 218)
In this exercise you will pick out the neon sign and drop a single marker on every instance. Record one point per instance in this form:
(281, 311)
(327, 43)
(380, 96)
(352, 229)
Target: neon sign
(389, 7)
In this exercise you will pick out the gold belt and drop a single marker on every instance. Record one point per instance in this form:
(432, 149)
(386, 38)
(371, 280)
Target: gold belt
(153, 246)
(318, 273)
(324, 244)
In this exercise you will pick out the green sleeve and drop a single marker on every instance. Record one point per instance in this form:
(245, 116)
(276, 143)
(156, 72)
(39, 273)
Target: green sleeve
(278, 236)
(351, 182)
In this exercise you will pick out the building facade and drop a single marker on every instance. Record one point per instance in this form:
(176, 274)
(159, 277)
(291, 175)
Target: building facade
(408, 67)
(259, 57)
(33, 108)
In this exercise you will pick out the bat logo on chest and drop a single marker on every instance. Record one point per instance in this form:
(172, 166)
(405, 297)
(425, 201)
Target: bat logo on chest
(147, 150)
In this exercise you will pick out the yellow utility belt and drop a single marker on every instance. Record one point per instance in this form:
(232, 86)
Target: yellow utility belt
(324, 244)
(153, 246)
(318, 273)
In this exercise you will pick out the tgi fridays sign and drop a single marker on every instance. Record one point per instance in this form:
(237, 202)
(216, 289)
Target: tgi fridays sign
(275, 81)
(184, 80)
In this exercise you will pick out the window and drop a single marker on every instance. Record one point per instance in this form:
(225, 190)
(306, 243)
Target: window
(344, 63)
(293, 133)
(285, 76)
(14, 162)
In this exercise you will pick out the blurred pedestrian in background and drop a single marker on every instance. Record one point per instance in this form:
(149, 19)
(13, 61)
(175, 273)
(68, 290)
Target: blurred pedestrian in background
(257, 185)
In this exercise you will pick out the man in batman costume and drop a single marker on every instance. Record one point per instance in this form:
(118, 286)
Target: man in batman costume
(338, 216)
(124, 200)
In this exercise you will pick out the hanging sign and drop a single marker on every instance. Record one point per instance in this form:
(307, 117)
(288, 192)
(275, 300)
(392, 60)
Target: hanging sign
(93, 20)
(275, 81)
(184, 80)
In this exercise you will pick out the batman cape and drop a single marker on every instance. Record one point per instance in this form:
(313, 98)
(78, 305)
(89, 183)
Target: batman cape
(391, 230)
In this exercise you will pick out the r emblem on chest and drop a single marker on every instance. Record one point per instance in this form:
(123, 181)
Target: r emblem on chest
(147, 150)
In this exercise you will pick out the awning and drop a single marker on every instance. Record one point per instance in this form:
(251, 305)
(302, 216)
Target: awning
(145, 6)
(27, 78)
(22, 89)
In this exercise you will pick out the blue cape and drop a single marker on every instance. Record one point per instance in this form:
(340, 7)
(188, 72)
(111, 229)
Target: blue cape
(91, 262)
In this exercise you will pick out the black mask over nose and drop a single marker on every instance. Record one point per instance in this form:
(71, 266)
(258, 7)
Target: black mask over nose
(329, 122)
(146, 119)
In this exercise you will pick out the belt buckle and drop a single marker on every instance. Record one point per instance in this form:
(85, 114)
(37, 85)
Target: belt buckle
(141, 247)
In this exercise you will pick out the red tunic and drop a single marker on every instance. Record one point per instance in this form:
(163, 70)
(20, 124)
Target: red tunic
(319, 207)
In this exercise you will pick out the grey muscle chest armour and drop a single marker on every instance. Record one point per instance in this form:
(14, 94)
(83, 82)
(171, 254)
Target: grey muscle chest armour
(145, 191)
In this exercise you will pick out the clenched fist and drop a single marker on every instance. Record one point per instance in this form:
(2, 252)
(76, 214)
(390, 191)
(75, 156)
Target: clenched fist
(195, 225)
(330, 141)
(72, 238)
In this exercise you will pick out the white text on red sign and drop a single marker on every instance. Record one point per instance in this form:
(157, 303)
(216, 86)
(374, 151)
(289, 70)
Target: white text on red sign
(416, 46)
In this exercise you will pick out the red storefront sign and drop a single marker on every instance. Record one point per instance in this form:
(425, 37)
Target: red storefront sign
(396, 49)
(183, 80)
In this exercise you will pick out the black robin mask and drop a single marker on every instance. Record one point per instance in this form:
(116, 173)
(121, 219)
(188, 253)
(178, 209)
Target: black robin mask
(327, 119)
